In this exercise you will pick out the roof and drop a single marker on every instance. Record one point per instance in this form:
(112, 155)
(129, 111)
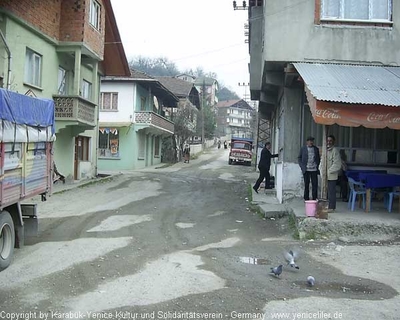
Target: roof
(356, 84)
(236, 103)
(179, 87)
(115, 62)
(136, 74)
(207, 81)
(150, 83)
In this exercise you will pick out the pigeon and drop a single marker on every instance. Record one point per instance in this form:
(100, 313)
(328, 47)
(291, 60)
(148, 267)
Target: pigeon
(310, 281)
(277, 270)
(290, 257)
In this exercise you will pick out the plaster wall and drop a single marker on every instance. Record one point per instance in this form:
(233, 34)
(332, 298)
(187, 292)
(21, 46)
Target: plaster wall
(290, 36)
(125, 112)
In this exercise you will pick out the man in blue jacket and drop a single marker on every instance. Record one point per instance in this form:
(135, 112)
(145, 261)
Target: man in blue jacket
(309, 161)
(263, 165)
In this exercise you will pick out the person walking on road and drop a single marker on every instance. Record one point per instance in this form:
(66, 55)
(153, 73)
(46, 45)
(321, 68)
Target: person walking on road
(309, 161)
(263, 166)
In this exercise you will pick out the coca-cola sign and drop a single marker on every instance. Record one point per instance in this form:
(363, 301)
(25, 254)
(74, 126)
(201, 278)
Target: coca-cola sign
(379, 117)
(328, 114)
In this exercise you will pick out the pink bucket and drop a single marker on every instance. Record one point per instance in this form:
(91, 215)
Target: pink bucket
(311, 208)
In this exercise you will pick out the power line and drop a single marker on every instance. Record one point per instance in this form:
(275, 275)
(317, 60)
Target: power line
(207, 52)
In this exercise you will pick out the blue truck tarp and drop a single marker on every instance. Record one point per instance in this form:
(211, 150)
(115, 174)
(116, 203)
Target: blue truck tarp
(20, 109)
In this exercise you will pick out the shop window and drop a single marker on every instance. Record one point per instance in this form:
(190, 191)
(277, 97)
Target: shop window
(33, 68)
(109, 101)
(109, 142)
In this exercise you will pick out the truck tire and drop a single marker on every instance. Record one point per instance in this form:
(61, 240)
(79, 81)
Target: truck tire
(230, 161)
(7, 239)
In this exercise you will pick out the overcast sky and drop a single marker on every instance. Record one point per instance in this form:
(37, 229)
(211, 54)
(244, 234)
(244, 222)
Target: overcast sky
(191, 33)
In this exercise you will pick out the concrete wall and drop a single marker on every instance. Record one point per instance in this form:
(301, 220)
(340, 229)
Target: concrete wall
(291, 35)
(287, 135)
(64, 149)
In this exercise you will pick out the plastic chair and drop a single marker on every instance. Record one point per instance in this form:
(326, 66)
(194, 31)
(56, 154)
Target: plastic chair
(390, 196)
(356, 188)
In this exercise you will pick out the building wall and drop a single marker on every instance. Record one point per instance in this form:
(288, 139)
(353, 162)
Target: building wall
(64, 150)
(44, 14)
(127, 150)
(19, 39)
(91, 36)
(125, 101)
(290, 36)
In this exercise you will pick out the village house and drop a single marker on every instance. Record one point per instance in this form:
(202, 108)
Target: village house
(132, 121)
(327, 67)
(234, 119)
(59, 50)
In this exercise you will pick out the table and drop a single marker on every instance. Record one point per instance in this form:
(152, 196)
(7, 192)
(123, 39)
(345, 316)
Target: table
(355, 174)
(378, 180)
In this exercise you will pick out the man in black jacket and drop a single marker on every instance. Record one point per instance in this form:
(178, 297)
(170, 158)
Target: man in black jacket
(309, 160)
(263, 165)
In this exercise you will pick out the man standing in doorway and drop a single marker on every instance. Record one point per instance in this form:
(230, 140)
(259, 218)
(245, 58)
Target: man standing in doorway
(309, 161)
(264, 165)
(333, 164)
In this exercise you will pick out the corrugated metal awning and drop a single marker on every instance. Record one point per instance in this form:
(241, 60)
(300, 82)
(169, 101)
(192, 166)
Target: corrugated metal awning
(355, 84)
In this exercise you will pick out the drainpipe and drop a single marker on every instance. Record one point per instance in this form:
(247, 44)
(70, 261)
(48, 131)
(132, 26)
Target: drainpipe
(9, 60)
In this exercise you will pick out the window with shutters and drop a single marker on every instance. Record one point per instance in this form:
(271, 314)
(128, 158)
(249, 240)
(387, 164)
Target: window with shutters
(357, 10)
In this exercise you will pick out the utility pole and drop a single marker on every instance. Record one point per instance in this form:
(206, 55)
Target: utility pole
(202, 113)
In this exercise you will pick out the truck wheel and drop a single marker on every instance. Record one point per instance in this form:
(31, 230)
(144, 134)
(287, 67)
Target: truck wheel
(7, 239)
(230, 161)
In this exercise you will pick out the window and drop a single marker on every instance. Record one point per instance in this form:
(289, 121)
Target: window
(86, 90)
(142, 104)
(109, 101)
(82, 148)
(94, 14)
(367, 10)
(33, 68)
(157, 147)
(62, 81)
(109, 142)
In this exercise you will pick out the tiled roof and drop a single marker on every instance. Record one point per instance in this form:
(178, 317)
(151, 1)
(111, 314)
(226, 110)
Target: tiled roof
(237, 103)
(136, 74)
(355, 84)
(179, 87)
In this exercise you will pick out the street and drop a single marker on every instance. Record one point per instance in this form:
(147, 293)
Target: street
(184, 238)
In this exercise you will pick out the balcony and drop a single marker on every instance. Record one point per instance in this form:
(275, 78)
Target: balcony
(75, 109)
(153, 123)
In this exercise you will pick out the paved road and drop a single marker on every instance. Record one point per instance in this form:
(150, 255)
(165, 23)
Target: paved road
(163, 242)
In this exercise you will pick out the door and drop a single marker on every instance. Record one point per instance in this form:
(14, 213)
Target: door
(78, 150)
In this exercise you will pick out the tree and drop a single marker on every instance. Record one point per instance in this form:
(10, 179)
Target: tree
(183, 121)
(226, 94)
(160, 66)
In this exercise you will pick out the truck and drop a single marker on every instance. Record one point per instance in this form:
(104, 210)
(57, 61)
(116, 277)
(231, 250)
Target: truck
(27, 133)
(241, 151)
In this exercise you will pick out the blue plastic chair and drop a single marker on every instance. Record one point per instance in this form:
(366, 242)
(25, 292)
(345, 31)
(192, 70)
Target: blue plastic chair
(356, 188)
(389, 199)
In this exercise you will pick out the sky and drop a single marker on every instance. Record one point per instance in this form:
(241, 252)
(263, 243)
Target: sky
(190, 33)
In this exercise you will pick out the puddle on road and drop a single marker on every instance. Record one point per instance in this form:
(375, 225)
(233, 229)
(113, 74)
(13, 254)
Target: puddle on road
(251, 260)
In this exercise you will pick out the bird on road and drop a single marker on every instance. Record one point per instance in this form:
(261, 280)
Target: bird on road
(277, 270)
(310, 281)
(291, 256)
